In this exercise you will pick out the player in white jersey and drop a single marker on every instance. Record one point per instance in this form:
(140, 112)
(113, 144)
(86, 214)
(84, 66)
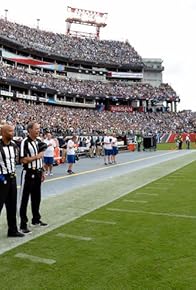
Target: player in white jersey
(107, 144)
(49, 154)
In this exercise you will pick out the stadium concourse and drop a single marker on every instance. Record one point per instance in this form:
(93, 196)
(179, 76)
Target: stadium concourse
(67, 197)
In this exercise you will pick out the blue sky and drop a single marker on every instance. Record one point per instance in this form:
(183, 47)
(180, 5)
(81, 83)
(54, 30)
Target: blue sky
(156, 28)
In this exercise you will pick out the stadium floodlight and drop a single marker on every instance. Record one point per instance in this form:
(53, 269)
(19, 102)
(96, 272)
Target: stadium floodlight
(6, 11)
(85, 17)
(38, 20)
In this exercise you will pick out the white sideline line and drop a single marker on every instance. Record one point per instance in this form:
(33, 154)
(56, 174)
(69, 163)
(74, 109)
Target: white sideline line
(135, 201)
(35, 259)
(145, 193)
(153, 213)
(100, 222)
(61, 235)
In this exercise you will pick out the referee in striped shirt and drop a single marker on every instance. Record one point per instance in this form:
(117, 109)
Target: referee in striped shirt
(8, 187)
(31, 155)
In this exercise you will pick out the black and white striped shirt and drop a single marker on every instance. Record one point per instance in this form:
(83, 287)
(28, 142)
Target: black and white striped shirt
(29, 148)
(7, 157)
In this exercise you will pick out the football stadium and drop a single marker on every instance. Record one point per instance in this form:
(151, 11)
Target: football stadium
(97, 164)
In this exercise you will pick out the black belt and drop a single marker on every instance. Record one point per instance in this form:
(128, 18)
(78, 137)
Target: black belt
(3, 177)
(11, 175)
(34, 170)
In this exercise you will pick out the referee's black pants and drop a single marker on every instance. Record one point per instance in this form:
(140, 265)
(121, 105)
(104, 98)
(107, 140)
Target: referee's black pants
(8, 196)
(31, 187)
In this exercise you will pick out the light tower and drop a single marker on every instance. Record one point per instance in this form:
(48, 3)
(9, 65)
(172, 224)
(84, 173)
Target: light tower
(6, 11)
(85, 17)
(38, 20)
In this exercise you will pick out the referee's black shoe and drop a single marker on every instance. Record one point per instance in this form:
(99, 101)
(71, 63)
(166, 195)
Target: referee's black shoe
(15, 234)
(40, 224)
(25, 230)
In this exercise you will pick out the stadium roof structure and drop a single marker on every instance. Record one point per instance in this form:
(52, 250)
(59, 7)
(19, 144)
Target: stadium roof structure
(85, 17)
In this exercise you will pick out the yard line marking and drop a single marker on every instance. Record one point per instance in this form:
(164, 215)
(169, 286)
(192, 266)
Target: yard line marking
(180, 179)
(163, 182)
(135, 201)
(145, 193)
(61, 235)
(100, 222)
(153, 213)
(178, 174)
(156, 187)
(172, 177)
(35, 259)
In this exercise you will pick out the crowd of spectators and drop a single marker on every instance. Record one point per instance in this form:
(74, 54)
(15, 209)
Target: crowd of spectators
(65, 121)
(90, 50)
(88, 87)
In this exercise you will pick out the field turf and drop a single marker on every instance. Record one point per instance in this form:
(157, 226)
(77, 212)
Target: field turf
(172, 146)
(144, 240)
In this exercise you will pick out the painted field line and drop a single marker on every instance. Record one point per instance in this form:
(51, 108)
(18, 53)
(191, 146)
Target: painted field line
(145, 193)
(178, 174)
(153, 213)
(100, 222)
(135, 201)
(81, 238)
(172, 177)
(181, 179)
(35, 259)
(159, 183)
(156, 187)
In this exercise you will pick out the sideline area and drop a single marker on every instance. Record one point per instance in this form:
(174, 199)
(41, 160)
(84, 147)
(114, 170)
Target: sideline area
(79, 200)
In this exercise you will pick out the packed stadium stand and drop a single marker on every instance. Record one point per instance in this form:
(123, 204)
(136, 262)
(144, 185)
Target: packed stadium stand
(87, 50)
(98, 85)
(64, 120)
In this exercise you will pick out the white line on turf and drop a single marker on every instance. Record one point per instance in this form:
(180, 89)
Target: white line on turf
(145, 193)
(135, 201)
(156, 187)
(100, 222)
(35, 259)
(153, 213)
(162, 182)
(178, 174)
(172, 177)
(179, 179)
(61, 235)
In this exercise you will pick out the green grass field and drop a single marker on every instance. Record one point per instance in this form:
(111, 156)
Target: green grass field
(172, 146)
(148, 241)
